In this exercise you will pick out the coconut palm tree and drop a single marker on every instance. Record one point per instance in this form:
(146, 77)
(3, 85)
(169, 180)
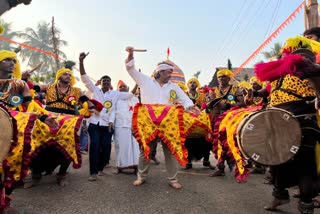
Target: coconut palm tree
(41, 38)
(8, 33)
(275, 51)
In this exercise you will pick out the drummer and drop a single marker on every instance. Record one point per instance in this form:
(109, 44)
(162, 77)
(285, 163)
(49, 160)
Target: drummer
(251, 99)
(12, 84)
(227, 95)
(291, 93)
(197, 147)
(11, 87)
(61, 98)
(157, 90)
(250, 95)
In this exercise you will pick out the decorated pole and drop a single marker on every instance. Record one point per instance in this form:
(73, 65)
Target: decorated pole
(311, 14)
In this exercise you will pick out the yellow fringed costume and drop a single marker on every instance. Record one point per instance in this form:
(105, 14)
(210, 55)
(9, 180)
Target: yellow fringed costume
(171, 124)
(229, 125)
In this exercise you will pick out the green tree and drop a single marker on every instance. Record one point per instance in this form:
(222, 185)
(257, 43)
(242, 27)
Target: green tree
(229, 65)
(10, 34)
(275, 51)
(196, 75)
(42, 38)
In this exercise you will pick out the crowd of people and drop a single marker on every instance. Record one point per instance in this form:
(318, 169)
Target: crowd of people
(54, 124)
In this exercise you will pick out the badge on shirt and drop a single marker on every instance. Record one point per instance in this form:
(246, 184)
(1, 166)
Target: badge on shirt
(16, 99)
(107, 105)
(173, 95)
(230, 97)
(71, 100)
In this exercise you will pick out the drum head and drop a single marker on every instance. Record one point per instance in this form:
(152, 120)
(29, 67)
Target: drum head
(269, 137)
(6, 133)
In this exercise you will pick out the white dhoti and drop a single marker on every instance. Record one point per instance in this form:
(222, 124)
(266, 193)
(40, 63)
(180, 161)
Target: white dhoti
(126, 146)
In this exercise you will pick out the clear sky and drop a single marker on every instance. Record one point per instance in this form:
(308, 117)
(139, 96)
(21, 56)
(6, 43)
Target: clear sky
(201, 34)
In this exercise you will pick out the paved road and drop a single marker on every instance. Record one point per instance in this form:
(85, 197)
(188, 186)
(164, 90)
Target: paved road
(115, 194)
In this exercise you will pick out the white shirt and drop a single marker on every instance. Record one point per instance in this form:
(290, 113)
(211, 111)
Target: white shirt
(153, 93)
(122, 116)
(108, 98)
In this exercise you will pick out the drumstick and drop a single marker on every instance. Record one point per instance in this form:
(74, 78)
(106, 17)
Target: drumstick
(311, 101)
(139, 50)
(215, 102)
(35, 68)
(135, 49)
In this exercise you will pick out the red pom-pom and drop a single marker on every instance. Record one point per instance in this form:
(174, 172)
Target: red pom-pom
(97, 104)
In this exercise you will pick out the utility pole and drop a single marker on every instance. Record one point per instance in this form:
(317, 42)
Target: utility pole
(55, 46)
(311, 15)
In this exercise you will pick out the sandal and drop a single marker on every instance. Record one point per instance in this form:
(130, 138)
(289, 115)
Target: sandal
(316, 203)
(217, 173)
(241, 181)
(175, 185)
(138, 182)
(267, 182)
(118, 171)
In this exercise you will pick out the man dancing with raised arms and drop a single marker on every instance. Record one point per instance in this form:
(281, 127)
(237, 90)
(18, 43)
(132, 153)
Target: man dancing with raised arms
(100, 126)
(157, 91)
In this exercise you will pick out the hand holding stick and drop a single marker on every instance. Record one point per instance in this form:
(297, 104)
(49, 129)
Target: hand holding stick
(130, 51)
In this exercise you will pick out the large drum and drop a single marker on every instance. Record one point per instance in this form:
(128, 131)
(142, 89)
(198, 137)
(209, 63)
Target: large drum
(6, 133)
(172, 124)
(269, 137)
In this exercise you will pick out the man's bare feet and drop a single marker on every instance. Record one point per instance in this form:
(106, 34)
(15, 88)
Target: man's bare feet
(217, 173)
(275, 203)
(101, 173)
(117, 171)
(61, 180)
(138, 182)
(175, 185)
(155, 160)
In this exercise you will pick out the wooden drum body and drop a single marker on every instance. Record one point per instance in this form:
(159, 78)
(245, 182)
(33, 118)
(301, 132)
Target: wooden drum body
(6, 133)
(269, 137)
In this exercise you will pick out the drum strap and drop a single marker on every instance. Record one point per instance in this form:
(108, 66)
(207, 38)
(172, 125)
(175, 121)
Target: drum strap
(291, 93)
(27, 99)
(278, 87)
(225, 95)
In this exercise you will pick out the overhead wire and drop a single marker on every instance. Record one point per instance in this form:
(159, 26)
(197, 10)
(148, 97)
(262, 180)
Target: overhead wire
(234, 27)
(235, 35)
(248, 11)
(273, 18)
(245, 32)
